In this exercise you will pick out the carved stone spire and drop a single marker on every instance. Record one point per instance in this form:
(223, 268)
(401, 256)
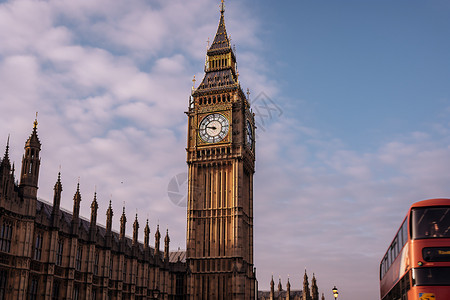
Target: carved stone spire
(306, 292)
(272, 288)
(109, 216)
(76, 210)
(6, 175)
(166, 246)
(280, 286)
(93, 224)
(123, 221)
(56, 201)
(288, 289)
(135, 231)
(76, 203)
(157, 240)
(314, 289)
(146, 236)
(6, 163)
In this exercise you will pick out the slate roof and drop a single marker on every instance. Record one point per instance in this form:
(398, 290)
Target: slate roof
(221, 39)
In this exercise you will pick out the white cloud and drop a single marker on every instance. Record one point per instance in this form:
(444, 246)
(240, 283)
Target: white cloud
(111, 83)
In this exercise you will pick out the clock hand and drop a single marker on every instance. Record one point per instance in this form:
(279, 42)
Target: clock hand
(213, 127)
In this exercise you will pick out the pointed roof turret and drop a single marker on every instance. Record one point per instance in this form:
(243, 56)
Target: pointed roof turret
(93, 223)
(109, 216)
(29, 175)
(146, 235)
(76, 210)
(306, 291)
(94, 208)
(57, 194)
(76, 202)
(123, 221)
(220, 65)
(6, 162)
(221, 39)
(135, 230)
(166, 246)
(33, 140)
(157, 240)
(272, 288)
(314, 288)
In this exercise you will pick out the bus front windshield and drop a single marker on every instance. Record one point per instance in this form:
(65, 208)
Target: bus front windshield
(430, 222)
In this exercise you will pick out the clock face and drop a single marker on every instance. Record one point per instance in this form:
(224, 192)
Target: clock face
(213, 128)
(249, 137)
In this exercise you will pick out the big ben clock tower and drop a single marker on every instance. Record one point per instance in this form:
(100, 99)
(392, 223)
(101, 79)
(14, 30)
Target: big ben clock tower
(221, 161)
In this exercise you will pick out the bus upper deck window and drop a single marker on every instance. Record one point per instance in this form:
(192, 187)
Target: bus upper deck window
(430, 223)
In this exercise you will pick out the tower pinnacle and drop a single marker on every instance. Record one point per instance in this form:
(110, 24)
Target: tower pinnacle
(222, 7)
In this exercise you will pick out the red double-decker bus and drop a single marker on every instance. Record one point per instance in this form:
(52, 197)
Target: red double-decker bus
(416, 265)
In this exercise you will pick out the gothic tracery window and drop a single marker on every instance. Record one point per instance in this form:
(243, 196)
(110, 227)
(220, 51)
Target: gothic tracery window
(78, 258)
(59, 252)
(5, 237)
(38, 247)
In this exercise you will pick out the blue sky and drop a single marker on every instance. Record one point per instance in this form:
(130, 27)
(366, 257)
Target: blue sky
(360, 127)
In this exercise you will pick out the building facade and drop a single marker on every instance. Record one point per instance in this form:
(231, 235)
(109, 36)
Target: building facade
(221, 162)
(49, 253)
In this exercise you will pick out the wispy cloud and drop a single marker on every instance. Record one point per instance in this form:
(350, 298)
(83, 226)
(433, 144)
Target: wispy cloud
(111, 83)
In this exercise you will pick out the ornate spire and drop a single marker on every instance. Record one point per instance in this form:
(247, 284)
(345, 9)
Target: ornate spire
(135, 230)
(314, 288)
(306, 292)
(33, 140)
(109, 216)
(76, 202)
(157, 240)
(166, 246)
(76, 210)
(146, 235)
(220, 67)
(94, 208)
(280, 286)
(123, 221)
(272, 288)
(57, 193)
(288, 289)
(221, 39)
(93, 223)
(5, 160)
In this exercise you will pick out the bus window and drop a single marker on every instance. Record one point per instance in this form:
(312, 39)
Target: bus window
(431, 276)
(430, 223)
(404, 229)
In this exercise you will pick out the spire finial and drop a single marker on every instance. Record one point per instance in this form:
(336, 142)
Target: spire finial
(35, 122)
(222, 7)
(193, 83)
